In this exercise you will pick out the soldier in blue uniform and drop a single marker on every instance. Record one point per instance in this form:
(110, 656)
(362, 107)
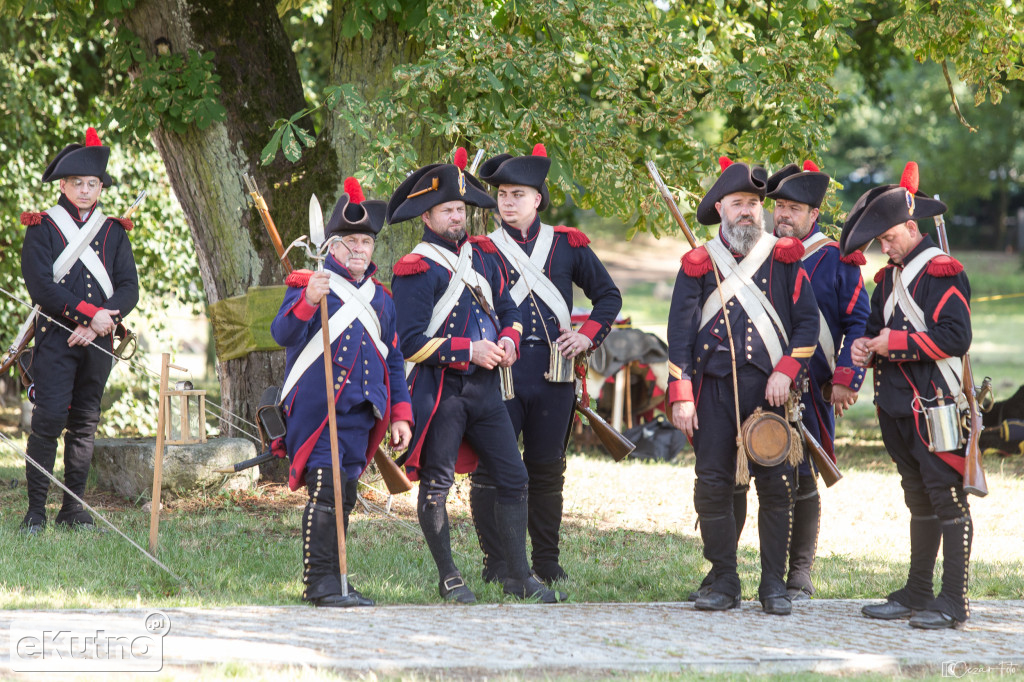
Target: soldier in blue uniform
(457, 323)
(70, 368)
(774, 323)
(918, 331)
(369, 384)
(541, 264)
(834, 380)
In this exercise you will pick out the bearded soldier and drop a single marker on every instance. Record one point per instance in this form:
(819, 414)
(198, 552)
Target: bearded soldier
(82, 310)
(541, 264)
(834, 380)
(773, 331)
(457, 324)
(918, 331)
(369, 384)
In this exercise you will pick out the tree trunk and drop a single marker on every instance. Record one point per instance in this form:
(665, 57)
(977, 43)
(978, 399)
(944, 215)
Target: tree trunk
(260, 83)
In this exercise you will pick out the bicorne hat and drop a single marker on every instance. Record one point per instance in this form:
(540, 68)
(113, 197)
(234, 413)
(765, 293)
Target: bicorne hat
(735, 177)
(82, 160)
(436, 184)
(530, 171)
(884, 207)
(805, 186)
(354, 214)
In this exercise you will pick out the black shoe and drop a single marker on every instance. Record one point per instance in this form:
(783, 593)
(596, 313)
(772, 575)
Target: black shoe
(33, 524)
(339, 602)
(550, 572)
(797, 594)
(716, 601)
(933, 620)
(453, 588)
(75, 518)
(532, 588)
(890, 610)
(777, 606)
(360, 599)
(701, 591)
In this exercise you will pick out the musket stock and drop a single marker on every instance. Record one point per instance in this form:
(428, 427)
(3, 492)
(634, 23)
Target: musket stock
(830, 473)
(614, 442)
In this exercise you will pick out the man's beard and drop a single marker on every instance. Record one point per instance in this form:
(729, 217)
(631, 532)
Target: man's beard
(792, 230)
(743, 237)
(455, 233)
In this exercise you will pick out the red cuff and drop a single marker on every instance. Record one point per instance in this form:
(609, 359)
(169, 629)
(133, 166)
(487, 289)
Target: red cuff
(401, 412)
(512, 334)
(303, 310)
(461, 344)
(844, 376)
(590, 329)
(87, 309)
(898, 340)
(789, 366)
(680, 390)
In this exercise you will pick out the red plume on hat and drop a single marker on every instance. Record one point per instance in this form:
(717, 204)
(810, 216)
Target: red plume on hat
(92, 138)
(539, 150)
(911, 179)
(461, 156)
(811, 166)
(724, 162)
(354, 191)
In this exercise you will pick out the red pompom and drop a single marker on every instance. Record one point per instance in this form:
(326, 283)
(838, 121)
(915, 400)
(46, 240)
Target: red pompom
(298, 278)
(911, 179)
(575, 237)
(539, 150)
(461, 156)
(944, 266)
(811, 166)
(411, 264)
(724, 162)
(126, 223)
(856, 258)
(789, 250)
(354, 191)
(484, 242)
(880, 275)
(696, 262)
(92, 138)
(29, 218)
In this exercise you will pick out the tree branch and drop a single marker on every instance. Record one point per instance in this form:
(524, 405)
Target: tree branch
(952, 96)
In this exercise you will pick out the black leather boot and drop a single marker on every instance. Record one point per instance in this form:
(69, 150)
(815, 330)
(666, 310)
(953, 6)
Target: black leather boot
(806, 523)
(775, 526)
(951, 608)
(925, 536)
(78, 446)
(739, 514)
(520, 583)
(433, 517)
(714, 506)
(482, 498)
(321, 570)
(41, 448)
(547, 480)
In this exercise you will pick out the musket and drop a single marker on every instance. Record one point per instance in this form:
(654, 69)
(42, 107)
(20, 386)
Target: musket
(394, 478)
(974, 474)
(28, 327)
(830, 473)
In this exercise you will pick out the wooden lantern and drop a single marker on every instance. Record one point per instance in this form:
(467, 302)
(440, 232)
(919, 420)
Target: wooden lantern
(185, 416)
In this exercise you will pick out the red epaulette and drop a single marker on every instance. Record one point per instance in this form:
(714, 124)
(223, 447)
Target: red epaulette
(944, 266)
(410, 264)
(696, 262)
(880, 275)
(29, 218)
(126, 223)
(484, 242)
(298, 278)
(381, 285)
(575, 237)
(856, 258)
(788, 250)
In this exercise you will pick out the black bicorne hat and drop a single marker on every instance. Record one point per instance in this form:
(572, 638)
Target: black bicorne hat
(807, 186)
(436, 184)
(735, 177)
(530, 171)
(354, 214)
(82, 160)
(881, 208)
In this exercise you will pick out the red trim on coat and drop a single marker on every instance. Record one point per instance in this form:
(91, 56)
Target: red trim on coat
(844, 376)
(87, 309)
(952, 291)
(401, 412)
(590, 329)
(484, 242)
(680, 390)
(801, 276)
(944, 266)
(928, 346)
(898, 340)
(461, 343)
(789, 366)
(696, 262)
(788, 250)
(29, 218)
(856, 258)
(410, 264)
(303, 310)
(856, 295)
(576, 238)
(298, 278)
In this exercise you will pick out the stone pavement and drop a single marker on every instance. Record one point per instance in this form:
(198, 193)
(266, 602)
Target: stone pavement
(584, 640)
